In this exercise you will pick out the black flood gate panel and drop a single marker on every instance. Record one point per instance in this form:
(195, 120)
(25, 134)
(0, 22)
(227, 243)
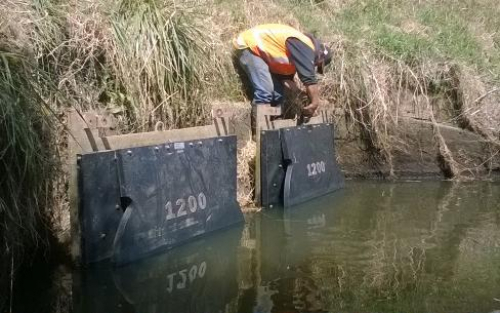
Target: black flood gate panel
(272, 168)
(167, 195)
(100, 210)
(298, 164)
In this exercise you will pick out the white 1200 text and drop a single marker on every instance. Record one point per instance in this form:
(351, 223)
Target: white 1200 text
(316, 168)
(186, 206)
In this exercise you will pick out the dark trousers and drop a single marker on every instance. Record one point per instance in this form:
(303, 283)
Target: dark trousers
(267, 87)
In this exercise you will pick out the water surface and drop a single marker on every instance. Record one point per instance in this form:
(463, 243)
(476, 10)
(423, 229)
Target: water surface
(373, 247)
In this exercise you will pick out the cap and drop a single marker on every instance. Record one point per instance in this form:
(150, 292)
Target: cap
(323, 53)
(324, 57)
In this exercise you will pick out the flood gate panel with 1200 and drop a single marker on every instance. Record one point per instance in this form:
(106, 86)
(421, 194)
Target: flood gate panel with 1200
(135, 202)
(298, 164)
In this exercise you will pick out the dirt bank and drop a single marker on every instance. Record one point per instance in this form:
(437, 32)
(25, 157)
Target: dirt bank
(418, 149)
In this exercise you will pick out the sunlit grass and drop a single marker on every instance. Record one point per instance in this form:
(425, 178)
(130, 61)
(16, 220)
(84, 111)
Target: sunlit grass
(454, 31)
(160, 59)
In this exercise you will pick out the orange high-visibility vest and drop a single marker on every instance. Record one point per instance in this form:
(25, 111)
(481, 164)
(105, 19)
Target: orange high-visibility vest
(268, 41)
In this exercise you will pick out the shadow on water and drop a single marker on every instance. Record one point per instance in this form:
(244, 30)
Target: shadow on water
(373, 247)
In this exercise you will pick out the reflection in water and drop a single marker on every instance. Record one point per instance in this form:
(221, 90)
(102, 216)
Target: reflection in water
(373, 247)
(198, 277)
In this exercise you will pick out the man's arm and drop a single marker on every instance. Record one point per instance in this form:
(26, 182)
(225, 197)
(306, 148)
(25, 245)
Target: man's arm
(313, 94)
(302, 57)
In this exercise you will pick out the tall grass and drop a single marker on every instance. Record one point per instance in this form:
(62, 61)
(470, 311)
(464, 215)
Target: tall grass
(144, 61)
(160, 61)
(25, 162)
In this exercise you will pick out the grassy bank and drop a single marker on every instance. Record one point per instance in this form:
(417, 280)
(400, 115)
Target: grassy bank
(142, 61)
(150, 61)
(430, 60)
(433, 61)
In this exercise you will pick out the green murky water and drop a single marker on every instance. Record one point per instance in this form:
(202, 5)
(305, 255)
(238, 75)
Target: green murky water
(373, 247)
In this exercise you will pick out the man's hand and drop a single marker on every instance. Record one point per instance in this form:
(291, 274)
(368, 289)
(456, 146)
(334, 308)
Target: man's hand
(310, 109)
